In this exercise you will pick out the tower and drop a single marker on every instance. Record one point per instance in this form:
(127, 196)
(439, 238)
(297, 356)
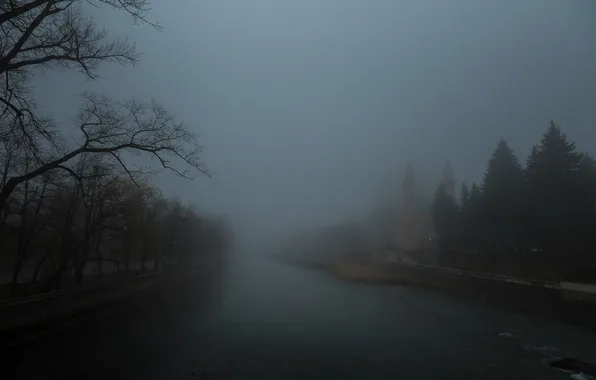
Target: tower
(409, 189)
(448, 180)
(409, 226)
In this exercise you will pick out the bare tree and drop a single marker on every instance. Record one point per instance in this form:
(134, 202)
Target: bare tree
(64, 223)
(31, 202)
(114, 129)
(74, 189)
(42, 34)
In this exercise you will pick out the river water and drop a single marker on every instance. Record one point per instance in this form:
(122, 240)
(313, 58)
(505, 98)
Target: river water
(276, 321)
(271, 321)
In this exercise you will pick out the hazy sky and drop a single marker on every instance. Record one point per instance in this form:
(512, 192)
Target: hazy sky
(307, 107)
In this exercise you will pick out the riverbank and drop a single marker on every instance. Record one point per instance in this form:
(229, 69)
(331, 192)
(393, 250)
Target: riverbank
(25, 318)
(552, 300)
(275, 321)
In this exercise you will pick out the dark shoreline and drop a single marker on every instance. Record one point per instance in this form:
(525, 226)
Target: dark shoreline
(29, 318)
(546, 300)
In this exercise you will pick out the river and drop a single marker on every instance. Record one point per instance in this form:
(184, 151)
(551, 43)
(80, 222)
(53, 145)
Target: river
(271, 321)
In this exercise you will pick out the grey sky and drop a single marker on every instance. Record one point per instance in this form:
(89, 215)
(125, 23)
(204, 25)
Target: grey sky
(306, 107)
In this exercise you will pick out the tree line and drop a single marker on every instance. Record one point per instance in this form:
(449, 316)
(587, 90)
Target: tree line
(546, 205)
(67, 200)
(58, 226)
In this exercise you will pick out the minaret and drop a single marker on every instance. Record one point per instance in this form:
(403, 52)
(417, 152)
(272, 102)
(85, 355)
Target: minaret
(448, 180)
(408, 227)
(409, 188)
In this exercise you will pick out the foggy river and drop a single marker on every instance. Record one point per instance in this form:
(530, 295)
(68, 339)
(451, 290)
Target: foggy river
(271, 321)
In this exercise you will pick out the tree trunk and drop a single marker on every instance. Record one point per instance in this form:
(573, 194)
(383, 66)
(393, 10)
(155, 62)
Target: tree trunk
(98, 255)
(15, 277)
(99, 267)
(55, 281)
(79, 271)
(7, 189)
(81, 261)
(156, 262)
(37, 269)
(49, 283)
(144, 261)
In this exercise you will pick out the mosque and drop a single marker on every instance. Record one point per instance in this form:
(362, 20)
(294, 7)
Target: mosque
(415, 235)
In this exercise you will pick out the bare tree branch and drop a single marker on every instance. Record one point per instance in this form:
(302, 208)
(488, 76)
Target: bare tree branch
(43, 34)
(19, 9)
(112, 128)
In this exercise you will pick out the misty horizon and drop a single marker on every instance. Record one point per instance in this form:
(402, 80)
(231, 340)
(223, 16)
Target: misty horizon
(307, 110)
(298, 189)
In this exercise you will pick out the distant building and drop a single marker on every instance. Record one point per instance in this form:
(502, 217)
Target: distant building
(448, 182)
(415, 237)
(414, 230)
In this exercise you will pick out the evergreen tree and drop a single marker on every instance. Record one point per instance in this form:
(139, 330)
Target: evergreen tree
(531, 162)
(465, 196)
(587, 202)
(503, 199)
(588, 166)
(465, 220)
(475, 230)
(532, 207)
(556, 192)
(475, 196)
(587, 172)
(555, 158)
(503, 168)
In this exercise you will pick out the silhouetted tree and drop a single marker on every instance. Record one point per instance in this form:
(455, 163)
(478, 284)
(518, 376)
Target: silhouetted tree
(502, 200)
(44, 34)
(465, 219)
(586, 220)
(476, 231)
(555, 189)
(465, 196)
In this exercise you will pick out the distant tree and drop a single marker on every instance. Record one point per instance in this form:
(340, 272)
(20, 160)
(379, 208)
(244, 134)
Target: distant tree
(586, 218)
(465, 196)
(465, 219)
(475, 196)
(555, 188)
(531, 162)
(533, 238)
(476, 231)
(550, 205)
(502, 205)
(587, 167)
(555, 158)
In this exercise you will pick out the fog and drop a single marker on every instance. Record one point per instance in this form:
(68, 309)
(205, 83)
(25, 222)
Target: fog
(309, 110)
(302, 253)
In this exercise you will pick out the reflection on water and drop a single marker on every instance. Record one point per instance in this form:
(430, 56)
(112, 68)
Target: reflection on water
(276, 320)
(278, 303)
(272, 321)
